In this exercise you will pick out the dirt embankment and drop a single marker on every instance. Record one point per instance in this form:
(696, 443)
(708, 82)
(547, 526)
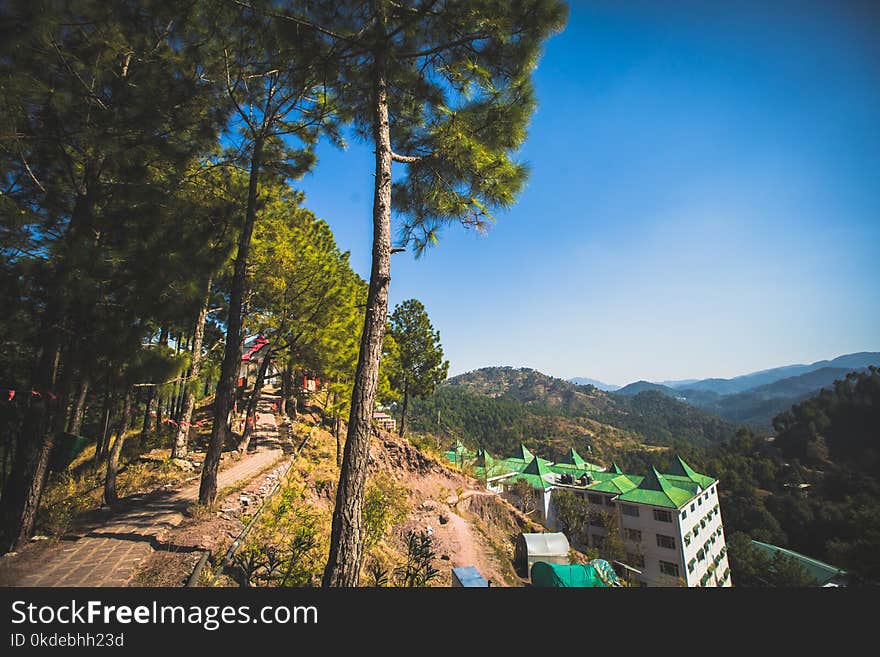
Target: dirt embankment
(470, 525)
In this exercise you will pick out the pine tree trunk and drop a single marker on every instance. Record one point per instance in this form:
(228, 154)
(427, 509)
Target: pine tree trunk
(101, 446)
(250, 416)
(175, 387)
(290, 396)
(338, 434)
(189, 403)
(346, 541)
(178, 406)
(24, 486)
(402, 430)
(149, 409)
(113, 462)
(232, 353)
(79, 407)
(286, 384)
(159, 397)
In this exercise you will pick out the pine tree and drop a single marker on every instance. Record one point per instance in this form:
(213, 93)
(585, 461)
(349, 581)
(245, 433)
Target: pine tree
(106, 107)
(275, 88)
(420, 366)
(444, 88)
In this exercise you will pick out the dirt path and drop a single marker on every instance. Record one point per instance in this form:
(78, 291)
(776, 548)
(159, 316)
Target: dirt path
(468, 553)
(109, 553)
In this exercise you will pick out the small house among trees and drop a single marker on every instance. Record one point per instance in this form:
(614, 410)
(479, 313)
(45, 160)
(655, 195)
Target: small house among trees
(384, 421)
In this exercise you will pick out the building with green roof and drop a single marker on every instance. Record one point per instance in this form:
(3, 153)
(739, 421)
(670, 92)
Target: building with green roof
(670, 522)
(656, 489)
(458, 453)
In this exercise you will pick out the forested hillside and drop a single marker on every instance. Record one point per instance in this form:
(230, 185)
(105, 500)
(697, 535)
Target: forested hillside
(499, 407)
(816, 487)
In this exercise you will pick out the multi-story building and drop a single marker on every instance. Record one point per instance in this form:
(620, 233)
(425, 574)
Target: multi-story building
(669, 523)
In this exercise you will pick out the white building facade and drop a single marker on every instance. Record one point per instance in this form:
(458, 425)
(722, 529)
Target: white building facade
(669, 524)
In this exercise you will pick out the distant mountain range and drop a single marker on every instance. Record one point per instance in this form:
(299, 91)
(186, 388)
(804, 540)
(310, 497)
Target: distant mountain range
(755, 399)
(745, 382)
(601, 385)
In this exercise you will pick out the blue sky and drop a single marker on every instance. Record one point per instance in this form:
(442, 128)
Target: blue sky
(704, 200)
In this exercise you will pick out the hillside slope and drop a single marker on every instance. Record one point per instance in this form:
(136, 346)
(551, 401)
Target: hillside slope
(499, 407)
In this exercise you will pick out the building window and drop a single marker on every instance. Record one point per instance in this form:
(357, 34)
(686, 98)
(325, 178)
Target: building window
(596, 499)
(665, 541)
(700, 501)
(701, 555)
(706, 495)
(687, 539)
(662, 516)
(696, 530)
(693, 507)
(684, 514)
(668, 568)
(632, 534)
(635, 560)
(630, 510)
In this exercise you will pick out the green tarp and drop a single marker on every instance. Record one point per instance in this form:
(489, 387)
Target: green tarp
(67, 447)
(573, 576)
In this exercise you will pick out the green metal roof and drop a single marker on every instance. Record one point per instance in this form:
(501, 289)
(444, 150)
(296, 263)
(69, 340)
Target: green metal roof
(681, 469)
(513, 465)
(617, 485)
(457, 451)
(670, 490)
(538, 466)
(819, 571)
(573, 458)
(535, 481)
(656, 490)
(534, 473)
(684, 483)
(483, 459)
(576, 470)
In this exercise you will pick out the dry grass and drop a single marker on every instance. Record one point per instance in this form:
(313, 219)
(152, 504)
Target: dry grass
(80, 488)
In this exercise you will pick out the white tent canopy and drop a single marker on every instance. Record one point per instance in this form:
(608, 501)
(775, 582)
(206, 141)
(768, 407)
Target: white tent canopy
(549, 547)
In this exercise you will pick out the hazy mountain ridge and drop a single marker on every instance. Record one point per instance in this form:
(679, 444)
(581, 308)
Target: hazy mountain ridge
(596, 383)
(642, 386)
(760, 378)
(758, 405)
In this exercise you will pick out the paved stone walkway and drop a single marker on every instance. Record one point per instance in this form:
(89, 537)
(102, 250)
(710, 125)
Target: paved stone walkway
(109, 554)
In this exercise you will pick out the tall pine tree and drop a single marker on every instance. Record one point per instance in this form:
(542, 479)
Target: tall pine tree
(444, 88)
(420, 366)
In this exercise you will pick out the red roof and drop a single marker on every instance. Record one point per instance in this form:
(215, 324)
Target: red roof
(258, 344)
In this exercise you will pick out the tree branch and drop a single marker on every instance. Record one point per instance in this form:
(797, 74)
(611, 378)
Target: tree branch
(444, 46)
(408, 159)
